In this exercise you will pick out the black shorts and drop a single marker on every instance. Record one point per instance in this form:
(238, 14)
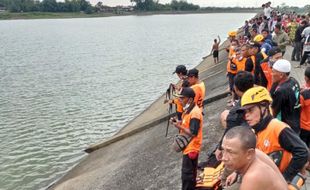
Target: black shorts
(215, 53)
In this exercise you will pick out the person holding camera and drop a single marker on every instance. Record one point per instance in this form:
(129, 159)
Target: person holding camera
(189, 139)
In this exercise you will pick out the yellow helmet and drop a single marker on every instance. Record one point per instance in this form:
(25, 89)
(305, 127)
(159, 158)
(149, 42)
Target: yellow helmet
(255, 95)
(232, 34)
(258, 38)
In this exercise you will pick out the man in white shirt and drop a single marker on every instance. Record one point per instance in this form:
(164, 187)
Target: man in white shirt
(305, 33)
(267, 10)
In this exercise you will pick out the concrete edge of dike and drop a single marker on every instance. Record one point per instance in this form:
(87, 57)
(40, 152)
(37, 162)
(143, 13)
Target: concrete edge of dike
(119, 136)
(148, 125)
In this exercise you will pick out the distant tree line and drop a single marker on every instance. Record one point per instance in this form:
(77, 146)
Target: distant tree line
(285, 8)
(139, 5)
(154, 5)
(47, 6)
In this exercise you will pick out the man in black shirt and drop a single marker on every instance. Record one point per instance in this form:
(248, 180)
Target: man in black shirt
(285, 94)
(297, 41)
(231, 118)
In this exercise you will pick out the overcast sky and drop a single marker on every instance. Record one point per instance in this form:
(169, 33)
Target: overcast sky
(218, 3)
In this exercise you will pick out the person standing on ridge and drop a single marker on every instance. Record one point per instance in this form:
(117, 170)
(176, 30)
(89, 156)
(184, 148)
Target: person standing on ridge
(253, 62)
(231, 118)
(181, 72)
(305, 109)
(266, 67)
(264, 46)
(285, 93)
(215, 50)
(191, 127)
(281, 38)
(230, 70)
(198, 87)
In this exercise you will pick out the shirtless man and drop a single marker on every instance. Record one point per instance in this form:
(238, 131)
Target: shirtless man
(257, 171)
(215, 50)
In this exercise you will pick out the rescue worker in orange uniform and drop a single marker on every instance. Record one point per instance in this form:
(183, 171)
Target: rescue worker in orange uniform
(305, 109)
(253, 62)
(190, 126)
(177, 102)
(274, 137)
(198, 87)
(238, 62)
(231, 68)
(181, 72)
(266, 67)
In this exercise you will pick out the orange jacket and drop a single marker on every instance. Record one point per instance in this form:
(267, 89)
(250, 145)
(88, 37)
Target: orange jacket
(200, 91)
(203, 90)
(241, 64)
(268, 74)
(268, 142)
(178, 103)
(237, 65)
(195, 143)
(305, 110)
(230, 55)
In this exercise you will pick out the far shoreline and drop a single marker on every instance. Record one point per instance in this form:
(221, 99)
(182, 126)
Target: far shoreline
(61, 15)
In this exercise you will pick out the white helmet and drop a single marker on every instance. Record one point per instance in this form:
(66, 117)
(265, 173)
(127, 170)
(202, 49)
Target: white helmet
(282, 65)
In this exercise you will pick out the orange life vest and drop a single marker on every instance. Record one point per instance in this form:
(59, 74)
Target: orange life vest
(241, 64)
(178, 103)
(199, 90)
(231, 53)
(203, 90)
(268, 142)
(195, 143)
(268, 74)
(305, 110)
(254, 61)
(237, 65)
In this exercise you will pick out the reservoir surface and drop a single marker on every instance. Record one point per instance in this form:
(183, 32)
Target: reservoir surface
(68, 83)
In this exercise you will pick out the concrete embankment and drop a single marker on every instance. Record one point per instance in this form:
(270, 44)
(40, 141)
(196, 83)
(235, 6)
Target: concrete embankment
(139, 156)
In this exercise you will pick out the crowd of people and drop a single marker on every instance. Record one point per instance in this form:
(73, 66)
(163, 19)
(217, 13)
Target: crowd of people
(267, 125)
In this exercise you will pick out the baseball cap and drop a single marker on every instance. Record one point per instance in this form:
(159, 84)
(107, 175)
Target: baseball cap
(186, 92)
(180, 69)
(282, 65)
(193, 72)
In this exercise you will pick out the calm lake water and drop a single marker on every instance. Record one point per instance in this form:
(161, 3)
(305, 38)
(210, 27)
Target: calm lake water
(68, 83)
